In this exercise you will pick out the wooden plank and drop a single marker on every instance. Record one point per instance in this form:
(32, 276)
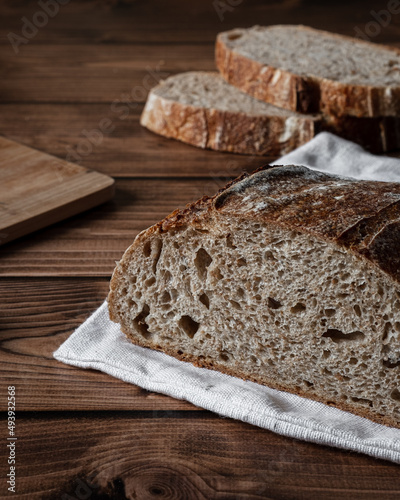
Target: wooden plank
(83, 73)
(134, 455)
(36, 316)
(105, 22)
(90, 243)
(37, 190)
(72, 131)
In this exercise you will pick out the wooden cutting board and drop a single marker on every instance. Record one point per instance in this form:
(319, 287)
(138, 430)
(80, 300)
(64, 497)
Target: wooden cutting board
(37, 189)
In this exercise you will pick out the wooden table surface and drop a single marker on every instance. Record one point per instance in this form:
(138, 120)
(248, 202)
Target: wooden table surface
(81, 433)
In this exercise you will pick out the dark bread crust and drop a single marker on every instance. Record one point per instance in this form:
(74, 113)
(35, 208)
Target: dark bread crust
(362, 217)
(306, 94)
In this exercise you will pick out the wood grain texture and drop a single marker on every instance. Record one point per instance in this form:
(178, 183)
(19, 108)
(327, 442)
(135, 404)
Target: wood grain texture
(32, 328)
(72, 131)
(185, 456)
(129, 21)
(90, 243)
(86, 74)
(37, 190)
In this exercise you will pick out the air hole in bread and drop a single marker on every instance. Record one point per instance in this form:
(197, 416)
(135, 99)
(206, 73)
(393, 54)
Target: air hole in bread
(165, 297)
(387, 363)
(157, 248)
(204, 299)
(131, 303)
(362, 401)
(357, 310)
(298, 308)
(273, 303)
(307, 383)
(202, 261)
(330, 312)
(147, 249)
(224, 357)
(269, 255)
(229, 242)
(189, 326)
(353, 361)
(387, 329)
(395, 394)
(338, 336)
(235, 304)
(241, 262)
(148, 283)
(140, 322)
(217, 274)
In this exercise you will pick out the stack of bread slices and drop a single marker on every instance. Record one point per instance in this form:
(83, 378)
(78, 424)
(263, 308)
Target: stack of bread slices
(277, 87)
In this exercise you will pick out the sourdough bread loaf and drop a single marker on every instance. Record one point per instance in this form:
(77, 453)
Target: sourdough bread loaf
(287, 277)
(309, 70)
(201, 109)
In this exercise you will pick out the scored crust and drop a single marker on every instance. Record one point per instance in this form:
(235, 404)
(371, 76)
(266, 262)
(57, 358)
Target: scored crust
(305, 94)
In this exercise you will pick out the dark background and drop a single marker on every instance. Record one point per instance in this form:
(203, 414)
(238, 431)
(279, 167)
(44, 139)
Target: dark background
(82, 433)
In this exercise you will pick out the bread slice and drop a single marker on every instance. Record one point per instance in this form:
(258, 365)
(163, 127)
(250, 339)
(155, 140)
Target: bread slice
(201, 109)
(287, 277)
(307, 70)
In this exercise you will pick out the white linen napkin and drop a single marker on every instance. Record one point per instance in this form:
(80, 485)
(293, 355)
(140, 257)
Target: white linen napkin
(98, 343)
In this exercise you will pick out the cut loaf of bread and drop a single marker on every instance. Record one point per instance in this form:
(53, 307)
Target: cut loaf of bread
(201, 109)
(287, 277)
(308, 70)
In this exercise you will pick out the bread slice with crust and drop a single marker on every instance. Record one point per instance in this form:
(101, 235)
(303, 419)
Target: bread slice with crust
(309, 71)
(287, 277)
(201, 109)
